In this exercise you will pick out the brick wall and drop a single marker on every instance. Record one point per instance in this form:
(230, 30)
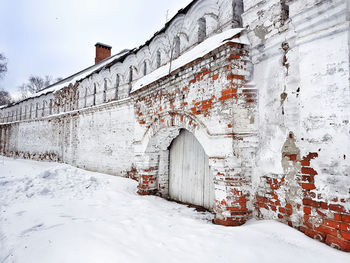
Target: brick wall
(211, 98)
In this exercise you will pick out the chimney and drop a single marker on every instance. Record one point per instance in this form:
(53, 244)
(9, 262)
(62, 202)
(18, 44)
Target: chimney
(102, 51)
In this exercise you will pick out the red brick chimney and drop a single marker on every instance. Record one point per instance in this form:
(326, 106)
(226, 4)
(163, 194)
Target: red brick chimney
(102, 51)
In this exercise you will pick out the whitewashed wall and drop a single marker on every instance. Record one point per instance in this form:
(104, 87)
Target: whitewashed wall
(301, 69)
(98, 139)
(288, 158)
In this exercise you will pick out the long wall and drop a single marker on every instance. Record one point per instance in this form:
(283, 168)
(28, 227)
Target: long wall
(114, 78)
(96, 139)
(272, 116)
(92, 111)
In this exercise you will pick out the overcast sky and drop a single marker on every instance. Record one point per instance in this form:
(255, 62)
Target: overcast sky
(57, 37)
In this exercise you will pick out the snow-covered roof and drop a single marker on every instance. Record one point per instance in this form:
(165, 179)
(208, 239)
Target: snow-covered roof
(111, 60)
(197, 51)
(74, 78)
(104, 45)
(80, 75)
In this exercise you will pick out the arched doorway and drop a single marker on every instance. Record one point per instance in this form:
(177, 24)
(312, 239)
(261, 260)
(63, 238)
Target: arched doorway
(190, 177)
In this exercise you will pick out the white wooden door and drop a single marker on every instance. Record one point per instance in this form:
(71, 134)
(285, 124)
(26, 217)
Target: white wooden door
(190, 179)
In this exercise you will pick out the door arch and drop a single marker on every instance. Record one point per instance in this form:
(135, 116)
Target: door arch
(190, 178)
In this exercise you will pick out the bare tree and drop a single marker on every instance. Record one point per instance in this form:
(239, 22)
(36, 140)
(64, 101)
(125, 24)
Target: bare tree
(36, 84)
(3, 65)
(173, 45)
(5, 97)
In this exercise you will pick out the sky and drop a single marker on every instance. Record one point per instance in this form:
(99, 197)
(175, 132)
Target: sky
(57, 37)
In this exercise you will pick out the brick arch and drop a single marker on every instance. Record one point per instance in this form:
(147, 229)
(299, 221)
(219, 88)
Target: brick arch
(153, 155)
(167, 126)
(152, 163)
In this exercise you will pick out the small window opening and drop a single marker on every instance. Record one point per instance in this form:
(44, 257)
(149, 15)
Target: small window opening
(58, 105)
(36, 110)
(117, 82)
(30, 111)
(202, 29)
(176, 47)
(94, 98)
(237, 10)
(85, 98)
(50, 107)
(130, 75)
(159, 59)
(76, 102)
(65, 104)
(43, 112)
(144, 68)
(105, 91)
(284, 11)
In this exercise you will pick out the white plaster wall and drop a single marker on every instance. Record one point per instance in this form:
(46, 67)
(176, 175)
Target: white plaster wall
(37, 137)
(303, 89)
(104, 139)
(325, 114)
(98, 138)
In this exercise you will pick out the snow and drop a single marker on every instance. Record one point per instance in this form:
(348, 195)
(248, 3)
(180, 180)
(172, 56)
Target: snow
(54, 212)
(197, 52)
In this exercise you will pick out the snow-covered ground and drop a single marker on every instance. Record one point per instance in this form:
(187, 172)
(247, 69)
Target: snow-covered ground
(57, 213)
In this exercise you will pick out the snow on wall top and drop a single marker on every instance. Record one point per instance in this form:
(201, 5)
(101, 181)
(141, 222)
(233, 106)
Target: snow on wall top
(198, 51)
(79, 76)
(219, 15)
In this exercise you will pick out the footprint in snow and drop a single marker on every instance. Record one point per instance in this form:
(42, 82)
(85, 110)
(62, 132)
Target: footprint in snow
(32, 229)
(38, 227)
(19, 213)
